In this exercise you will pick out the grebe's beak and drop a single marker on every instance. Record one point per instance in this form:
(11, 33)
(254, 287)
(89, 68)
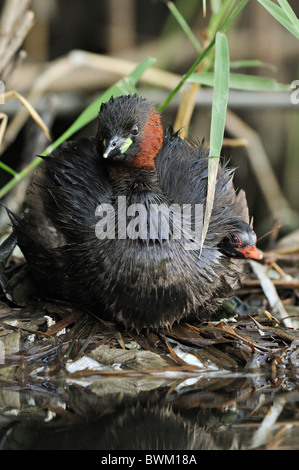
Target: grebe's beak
(116, 145)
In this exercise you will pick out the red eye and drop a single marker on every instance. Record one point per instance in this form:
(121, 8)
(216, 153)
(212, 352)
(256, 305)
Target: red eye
(235, 239)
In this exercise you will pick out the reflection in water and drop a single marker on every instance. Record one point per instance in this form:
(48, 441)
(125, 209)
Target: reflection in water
(135, 428)
(212, 413)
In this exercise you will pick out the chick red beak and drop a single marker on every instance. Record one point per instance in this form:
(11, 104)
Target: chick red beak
(250, 251)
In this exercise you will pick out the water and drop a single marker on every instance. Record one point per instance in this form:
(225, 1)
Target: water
(231, 385)
(205, 411)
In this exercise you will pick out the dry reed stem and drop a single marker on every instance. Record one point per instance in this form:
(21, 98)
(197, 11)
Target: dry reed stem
(3, 125)
(33, 113)
(15, 23)
(153, 76)
(185, 110)
(12, 12)
(77, 59)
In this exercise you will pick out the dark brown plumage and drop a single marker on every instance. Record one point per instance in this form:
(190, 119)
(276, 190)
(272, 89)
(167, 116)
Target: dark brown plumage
(146, 279)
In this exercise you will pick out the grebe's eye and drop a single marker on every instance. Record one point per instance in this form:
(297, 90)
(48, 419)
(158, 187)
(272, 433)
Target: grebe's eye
(235, 239)
(135, 130)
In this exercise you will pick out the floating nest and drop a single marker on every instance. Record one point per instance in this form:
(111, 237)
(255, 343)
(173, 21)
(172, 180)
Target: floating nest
(70, 380)
(56, 341)
(258, 332)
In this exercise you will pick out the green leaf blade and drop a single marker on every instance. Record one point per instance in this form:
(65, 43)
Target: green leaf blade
(185, 27)
(220, 99)
(239, 81)
(219, 107)
(285, 16)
